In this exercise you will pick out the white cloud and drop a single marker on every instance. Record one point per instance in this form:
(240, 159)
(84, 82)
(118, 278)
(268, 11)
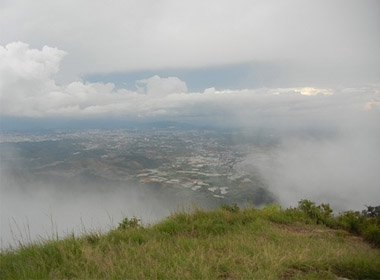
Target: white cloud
(313, 91)
(321, 36)
(28, 88)
(162, 86)
(22, 67)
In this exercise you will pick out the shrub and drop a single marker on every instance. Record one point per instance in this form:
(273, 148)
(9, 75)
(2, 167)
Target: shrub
(352, 221)
(129, 223)
(372, 234)
(321, 214)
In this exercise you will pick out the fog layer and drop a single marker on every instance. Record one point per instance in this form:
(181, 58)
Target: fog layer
(335, 161)
(32, 210)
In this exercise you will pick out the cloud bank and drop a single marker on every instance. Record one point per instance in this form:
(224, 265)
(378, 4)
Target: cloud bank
(320, 36)
(28, 88)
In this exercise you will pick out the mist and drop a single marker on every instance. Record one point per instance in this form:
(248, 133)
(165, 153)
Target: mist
(34, 210)
(335, 161)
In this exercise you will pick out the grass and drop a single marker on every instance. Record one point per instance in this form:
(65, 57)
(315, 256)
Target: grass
(227, 243)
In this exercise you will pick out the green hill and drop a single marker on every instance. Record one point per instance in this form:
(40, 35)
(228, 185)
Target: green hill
(306, 242)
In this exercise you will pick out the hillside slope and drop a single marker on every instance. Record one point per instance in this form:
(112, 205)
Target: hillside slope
(227, 243)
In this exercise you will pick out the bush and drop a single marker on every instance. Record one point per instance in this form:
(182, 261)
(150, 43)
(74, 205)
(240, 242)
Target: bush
(372, 234)
(129, 223)
(321, 214)
(352, 221)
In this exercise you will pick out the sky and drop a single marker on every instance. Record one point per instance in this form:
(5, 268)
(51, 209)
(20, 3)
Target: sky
(173, 59)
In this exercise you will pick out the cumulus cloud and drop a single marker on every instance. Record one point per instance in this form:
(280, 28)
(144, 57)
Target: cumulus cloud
(27, 63)
(24, 68)
(28, 88)
(161, 86)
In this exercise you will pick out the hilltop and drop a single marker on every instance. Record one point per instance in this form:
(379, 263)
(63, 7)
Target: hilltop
(306, 242)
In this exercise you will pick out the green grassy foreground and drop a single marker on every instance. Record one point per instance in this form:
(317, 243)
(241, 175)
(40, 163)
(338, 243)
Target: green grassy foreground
(307, 242)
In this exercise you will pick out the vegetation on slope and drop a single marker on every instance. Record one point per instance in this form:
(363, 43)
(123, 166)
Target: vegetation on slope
(227, 243)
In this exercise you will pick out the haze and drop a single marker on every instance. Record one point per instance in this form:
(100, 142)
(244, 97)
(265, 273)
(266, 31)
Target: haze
(305, 73)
